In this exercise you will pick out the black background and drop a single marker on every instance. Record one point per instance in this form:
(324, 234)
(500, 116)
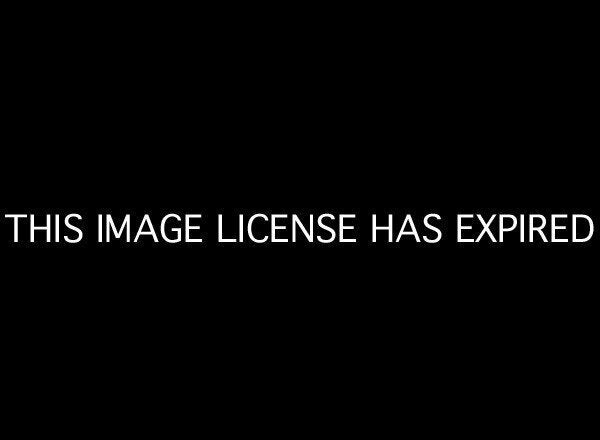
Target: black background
(381, 113)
